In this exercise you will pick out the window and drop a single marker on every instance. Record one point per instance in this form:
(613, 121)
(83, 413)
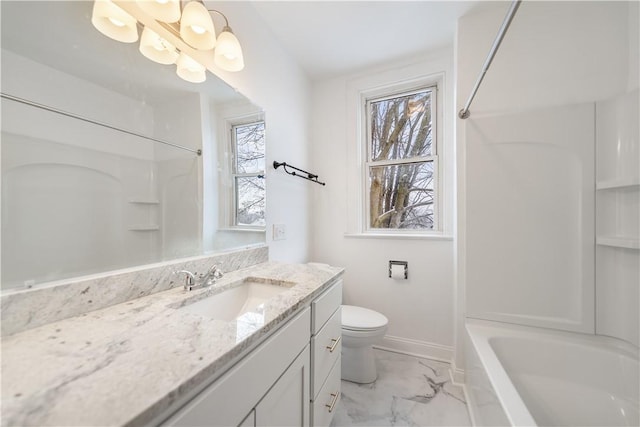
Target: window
(401, 161)
(248, 144)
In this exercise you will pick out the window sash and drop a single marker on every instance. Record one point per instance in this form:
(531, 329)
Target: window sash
(434, 129)
(234, 144)
(370, 163)
(436, 198)
(236, 197)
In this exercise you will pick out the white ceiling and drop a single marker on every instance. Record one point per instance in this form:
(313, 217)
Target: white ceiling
(330, 38)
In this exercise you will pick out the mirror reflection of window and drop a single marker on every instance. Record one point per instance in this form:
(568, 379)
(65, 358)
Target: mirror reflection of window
(248, 140)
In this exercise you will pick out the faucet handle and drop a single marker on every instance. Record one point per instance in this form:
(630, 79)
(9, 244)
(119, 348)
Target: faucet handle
(216, 272)
(190, 279)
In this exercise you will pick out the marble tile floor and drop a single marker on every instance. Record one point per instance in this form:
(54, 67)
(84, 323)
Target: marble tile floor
(409, 391)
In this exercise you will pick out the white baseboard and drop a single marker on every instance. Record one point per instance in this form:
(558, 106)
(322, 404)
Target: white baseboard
(457, 374)
(427, 350)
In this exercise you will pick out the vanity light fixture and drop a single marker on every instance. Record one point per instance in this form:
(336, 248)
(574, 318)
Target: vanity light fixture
(194, 25)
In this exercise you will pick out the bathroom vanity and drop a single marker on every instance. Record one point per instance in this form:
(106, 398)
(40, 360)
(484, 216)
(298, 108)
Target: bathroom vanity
(157, 360)
(271, 386)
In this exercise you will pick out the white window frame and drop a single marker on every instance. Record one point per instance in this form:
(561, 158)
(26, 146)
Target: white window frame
(434, 83)
(232, 213)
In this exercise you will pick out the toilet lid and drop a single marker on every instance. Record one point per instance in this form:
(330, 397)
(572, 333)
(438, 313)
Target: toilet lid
(359, 318)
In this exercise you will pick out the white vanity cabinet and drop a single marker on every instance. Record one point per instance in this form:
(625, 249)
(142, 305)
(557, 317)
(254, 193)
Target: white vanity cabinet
(259, 381)
(291, 379)
(287, 402)
(326, 347)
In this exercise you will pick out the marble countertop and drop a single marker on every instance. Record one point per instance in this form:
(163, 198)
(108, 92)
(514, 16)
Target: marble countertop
(128, 363)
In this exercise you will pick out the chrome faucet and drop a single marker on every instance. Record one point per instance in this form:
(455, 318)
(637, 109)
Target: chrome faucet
(190, 279)
(202, 280)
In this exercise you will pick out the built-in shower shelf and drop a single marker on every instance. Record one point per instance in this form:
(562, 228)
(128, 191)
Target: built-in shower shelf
(150, 227)
(144, 201)
(614, 184)
(619, 242)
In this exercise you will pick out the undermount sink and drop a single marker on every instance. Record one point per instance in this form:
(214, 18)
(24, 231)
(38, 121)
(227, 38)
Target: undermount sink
(248, 296)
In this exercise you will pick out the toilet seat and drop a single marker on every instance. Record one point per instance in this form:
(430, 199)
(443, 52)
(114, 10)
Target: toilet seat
(362, 319)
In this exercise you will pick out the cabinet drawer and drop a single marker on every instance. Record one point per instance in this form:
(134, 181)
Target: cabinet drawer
(324, 406)
(324, 306)
(326, 347)
(229, 399)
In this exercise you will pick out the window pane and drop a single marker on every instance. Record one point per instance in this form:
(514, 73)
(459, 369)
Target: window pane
(250, 200)
(401, 196)
(401, 127)
(249, 147)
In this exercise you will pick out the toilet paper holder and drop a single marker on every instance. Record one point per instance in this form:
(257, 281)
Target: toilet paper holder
(401, 263)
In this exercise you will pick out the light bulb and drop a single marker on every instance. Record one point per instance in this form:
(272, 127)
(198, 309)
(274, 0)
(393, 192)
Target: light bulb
(196, 26)
(190, 70)
(197, 29)
(114, 22)
(228, 53)
(162, 10)
(156, 48)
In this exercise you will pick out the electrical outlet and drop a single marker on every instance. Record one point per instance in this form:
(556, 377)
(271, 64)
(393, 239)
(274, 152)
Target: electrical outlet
(279, 232)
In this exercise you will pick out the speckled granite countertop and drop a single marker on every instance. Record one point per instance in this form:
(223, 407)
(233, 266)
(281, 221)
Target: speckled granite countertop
(128, 363)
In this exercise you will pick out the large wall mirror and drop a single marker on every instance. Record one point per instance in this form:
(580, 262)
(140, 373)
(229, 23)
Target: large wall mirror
(86, 186)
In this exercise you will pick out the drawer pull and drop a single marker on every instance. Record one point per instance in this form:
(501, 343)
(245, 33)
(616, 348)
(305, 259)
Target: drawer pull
(334, 345)
(333, 401)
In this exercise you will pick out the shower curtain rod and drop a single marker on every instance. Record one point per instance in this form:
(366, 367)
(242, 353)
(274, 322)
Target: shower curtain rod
(95, 122)
(464, 113)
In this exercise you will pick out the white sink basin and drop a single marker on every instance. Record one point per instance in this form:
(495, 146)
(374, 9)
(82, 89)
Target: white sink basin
(247, 297)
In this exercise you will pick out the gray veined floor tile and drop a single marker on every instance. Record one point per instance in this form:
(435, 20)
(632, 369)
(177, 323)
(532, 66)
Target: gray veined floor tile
(409, 391)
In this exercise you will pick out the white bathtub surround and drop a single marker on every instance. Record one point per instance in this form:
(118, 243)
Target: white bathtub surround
(519, 375)
(539, 166)
(531, 77)
(409, 391)
(126, 364)
(618, 217)
(25, 309)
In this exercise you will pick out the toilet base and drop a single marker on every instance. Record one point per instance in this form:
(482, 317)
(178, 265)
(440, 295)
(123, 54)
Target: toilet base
(359, 365)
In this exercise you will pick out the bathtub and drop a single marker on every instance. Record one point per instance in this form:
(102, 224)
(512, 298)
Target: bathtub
(522, 376)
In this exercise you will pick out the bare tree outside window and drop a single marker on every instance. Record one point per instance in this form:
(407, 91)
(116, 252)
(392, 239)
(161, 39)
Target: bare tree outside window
(401, 161)
(249, 153)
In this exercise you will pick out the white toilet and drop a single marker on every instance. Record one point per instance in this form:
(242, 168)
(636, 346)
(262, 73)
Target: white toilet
(361, 328)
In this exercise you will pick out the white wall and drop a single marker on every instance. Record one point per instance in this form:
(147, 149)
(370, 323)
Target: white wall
(554, 54)
(420, 309)
(275, 82)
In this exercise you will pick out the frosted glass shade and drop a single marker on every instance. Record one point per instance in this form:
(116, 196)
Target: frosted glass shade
(196, 26)
(228, 54)
(162, 10)
(190, 70)
(156, 48)
(114, 22)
